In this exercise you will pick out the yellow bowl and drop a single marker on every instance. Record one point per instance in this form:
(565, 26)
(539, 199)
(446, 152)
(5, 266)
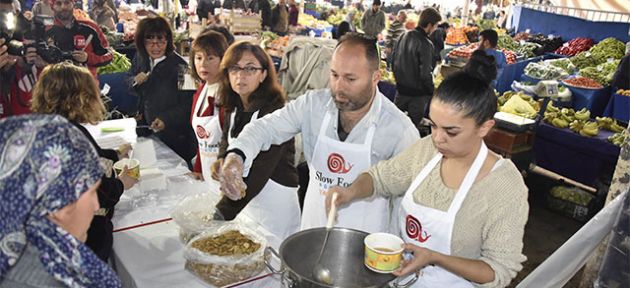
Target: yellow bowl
(132, 164)
(383, 252)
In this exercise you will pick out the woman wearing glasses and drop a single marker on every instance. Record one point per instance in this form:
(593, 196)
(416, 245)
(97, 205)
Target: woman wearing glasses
(157, 76)
(250, 90)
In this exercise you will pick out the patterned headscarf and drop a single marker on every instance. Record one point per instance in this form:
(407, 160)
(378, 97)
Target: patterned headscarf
(45, 164)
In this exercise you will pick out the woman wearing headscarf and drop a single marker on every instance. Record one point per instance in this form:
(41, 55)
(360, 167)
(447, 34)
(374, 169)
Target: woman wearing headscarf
(48, 183)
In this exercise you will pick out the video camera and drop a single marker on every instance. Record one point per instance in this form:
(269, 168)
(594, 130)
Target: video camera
(49, 53)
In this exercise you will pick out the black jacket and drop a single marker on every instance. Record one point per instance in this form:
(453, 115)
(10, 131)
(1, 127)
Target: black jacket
(621, 80)
(100, 238)
(263, 8)
(437, 38)
(160, 97)
(204, 7)
(413, 63)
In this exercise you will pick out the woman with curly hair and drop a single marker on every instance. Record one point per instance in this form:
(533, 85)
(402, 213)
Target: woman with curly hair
(71, 91)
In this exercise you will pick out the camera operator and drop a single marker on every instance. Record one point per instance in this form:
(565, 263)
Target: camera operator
(84, 39)
(19, 66)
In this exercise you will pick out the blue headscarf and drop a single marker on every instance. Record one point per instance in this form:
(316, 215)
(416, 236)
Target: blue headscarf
(45, 164)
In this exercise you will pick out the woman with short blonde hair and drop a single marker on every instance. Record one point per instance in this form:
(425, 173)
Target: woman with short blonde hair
(71, 91)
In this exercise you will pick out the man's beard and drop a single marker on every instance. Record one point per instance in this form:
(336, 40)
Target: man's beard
(352, 105)
(64, 15)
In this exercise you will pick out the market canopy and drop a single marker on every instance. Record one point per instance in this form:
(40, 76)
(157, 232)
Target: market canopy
(601, 5)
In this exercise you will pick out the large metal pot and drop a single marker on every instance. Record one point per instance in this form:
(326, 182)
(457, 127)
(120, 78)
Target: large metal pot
(343, 257)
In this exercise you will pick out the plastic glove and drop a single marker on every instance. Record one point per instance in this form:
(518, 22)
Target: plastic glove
(231, 177)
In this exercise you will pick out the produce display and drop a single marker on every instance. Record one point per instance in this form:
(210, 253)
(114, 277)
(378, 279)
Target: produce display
(464, 51)
(563, 63)
(609, 124)
(456, 36)
(510, 57)
(506, 42)
(608, 48)
(603, 73)
(575, 46)
(583, 82)
(544, 72)
(386, 75)
(527, 49)
(521, 36)
(273, 44)
(571, 194)
(547, 43)
(518, 103)
(617, 138)
(623, 92)
(120, 63)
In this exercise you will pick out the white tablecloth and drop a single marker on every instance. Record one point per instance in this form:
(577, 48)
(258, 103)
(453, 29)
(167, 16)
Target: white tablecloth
(147, 249)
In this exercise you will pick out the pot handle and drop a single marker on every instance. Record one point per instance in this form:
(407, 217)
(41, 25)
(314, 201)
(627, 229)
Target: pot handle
(408, 283)
(269, 252)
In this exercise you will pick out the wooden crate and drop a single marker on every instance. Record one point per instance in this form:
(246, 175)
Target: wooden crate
(508, 143)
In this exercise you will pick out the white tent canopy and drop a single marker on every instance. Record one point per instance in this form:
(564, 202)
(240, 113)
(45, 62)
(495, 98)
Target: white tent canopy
(621, 6)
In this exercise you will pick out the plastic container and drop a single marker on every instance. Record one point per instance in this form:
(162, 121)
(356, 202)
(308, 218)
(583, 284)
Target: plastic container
(571, 201)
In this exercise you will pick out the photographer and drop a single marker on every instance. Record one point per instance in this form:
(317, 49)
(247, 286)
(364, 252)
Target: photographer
(17, 74)
(83, 39)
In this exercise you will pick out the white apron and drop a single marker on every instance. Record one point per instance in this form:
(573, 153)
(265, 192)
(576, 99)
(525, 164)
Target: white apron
(276, 207)
(337, 163)
(433, 229)
(208, 132)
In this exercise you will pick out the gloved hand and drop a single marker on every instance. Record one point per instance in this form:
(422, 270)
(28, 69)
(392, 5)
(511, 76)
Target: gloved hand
(231, 177)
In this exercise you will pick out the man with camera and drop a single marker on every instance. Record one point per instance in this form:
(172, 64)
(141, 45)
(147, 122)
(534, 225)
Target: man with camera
(19, 66)
(81, 41)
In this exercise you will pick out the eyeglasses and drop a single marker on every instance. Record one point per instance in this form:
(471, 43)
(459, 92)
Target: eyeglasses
(155, 39)
(248, 70)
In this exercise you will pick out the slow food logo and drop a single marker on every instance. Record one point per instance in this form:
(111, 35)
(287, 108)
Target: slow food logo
(414, 230)
(201, 132)
(337, 164)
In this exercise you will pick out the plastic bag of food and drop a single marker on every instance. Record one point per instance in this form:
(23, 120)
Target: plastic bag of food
(196, 214)
(226, 255)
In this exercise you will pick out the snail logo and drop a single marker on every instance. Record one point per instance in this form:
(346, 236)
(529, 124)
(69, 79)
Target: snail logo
(337, 164)
(201, 132)
(414, 230)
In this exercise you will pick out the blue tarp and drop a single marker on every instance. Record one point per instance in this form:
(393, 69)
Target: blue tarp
(567, 27)
(618, 107)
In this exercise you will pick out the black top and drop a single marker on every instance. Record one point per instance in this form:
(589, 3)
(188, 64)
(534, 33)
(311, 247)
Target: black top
(413, 64)
(160, 97)
(621, 80)
(276, 164)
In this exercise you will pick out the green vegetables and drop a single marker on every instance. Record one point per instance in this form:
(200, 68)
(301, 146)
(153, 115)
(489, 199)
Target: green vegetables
(600, 53)
(608, 48)
(120, 63)
(571, 194)
(544, 72)
(564, 64)
(507, 42)
(527, 49)
(602, 73)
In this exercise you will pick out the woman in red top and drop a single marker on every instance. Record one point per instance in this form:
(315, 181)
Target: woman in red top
(207, 51)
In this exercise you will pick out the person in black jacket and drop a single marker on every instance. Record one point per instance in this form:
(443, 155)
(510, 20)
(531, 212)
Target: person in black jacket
(204, 8)
(621, 80)
(158, 73)
(81, 103)
(437, 38)
(413, 64)
(262, 7)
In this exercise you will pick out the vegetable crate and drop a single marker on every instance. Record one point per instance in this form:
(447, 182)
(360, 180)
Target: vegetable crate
(572, 202)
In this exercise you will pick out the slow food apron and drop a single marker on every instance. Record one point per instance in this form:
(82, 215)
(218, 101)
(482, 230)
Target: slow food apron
(208, 132)
(276, 207)
(433, 229)
(337, 163)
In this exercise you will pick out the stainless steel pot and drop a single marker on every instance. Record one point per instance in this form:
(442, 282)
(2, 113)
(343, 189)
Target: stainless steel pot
(344, 256)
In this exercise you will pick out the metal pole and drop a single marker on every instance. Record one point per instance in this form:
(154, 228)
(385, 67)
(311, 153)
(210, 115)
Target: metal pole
(465, 14)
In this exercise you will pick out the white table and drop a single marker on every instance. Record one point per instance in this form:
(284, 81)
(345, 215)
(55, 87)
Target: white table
(147, 249)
